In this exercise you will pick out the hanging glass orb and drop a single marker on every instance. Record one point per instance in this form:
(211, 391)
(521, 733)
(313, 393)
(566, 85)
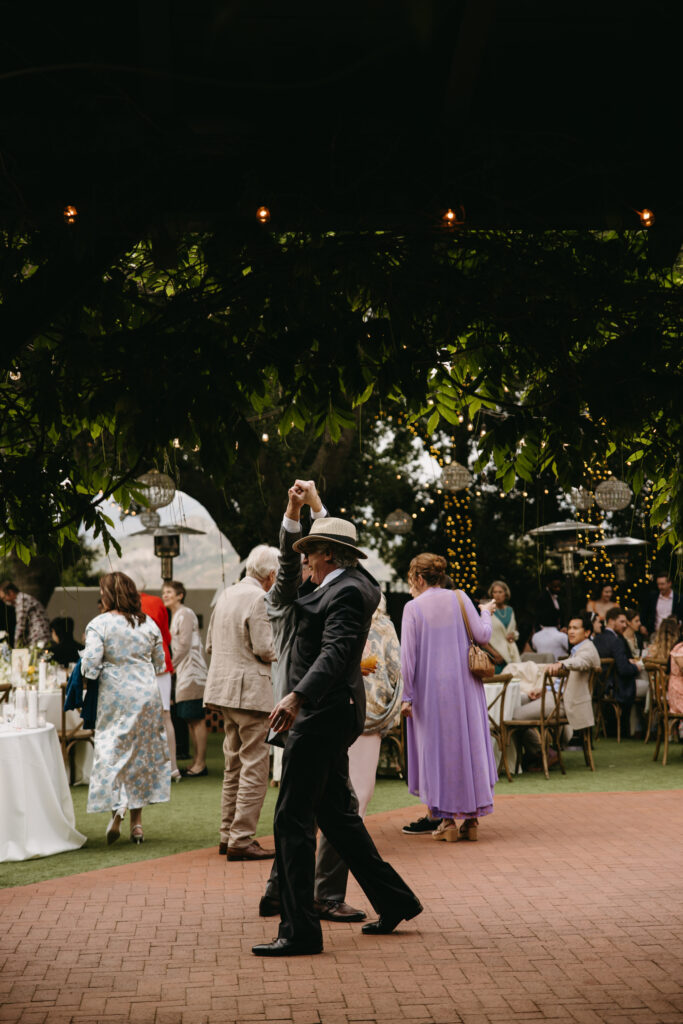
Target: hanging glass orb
(456, 477)
(150, 518)
(612, 495)
(398, 522)
(158, 488)
(582, 498)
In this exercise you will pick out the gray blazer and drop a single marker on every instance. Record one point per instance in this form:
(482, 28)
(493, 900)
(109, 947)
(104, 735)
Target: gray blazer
(240, 641)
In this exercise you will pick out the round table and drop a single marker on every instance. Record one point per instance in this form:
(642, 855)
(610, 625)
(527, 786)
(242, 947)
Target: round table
(36, 812)
(51, 701)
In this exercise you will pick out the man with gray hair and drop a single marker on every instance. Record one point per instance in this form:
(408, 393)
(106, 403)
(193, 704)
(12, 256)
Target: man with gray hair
(238, 686)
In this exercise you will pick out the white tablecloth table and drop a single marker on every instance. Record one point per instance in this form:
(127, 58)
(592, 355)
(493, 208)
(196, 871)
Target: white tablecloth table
(83, 752)
(36, 812)
(512, 699)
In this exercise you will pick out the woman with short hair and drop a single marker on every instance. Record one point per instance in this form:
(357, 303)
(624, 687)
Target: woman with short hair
(131, 767)
(191, 672)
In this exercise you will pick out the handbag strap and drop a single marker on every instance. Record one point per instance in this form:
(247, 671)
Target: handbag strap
(464, 615)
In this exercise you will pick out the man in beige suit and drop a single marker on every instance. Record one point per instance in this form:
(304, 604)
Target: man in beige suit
(239, 686)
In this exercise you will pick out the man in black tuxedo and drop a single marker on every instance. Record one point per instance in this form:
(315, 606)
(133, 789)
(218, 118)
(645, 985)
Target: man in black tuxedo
(659, 604)
(547, 611)
(324, 713)
(611, 643)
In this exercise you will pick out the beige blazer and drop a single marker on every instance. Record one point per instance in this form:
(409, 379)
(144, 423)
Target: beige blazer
(240, 642)
(188, 655)
(578, 704)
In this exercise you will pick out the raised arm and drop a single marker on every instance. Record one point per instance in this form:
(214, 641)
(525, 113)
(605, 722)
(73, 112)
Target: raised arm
(480, 625)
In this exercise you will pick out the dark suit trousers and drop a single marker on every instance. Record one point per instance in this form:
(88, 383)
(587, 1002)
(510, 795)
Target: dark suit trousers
(331, 873)
(315, 786)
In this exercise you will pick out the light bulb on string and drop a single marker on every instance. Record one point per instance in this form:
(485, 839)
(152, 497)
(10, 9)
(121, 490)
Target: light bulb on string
(263, 215)
(647, 217)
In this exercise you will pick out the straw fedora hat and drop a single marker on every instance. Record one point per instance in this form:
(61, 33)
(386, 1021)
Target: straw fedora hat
(339, 531)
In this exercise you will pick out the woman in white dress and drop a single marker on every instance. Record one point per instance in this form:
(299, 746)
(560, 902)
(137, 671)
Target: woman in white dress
(191, 672)
(131, 767)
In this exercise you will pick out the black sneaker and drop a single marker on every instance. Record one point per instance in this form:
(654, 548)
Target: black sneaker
(421, 827)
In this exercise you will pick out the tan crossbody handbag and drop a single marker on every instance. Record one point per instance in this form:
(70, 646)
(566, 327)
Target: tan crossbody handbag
(479, 662)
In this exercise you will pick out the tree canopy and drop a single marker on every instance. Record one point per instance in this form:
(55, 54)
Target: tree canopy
(560, 348)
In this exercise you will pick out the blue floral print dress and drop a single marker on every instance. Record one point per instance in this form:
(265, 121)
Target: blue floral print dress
(131, 767)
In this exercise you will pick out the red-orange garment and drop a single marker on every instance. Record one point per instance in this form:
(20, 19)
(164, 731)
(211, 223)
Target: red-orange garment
(156, 609)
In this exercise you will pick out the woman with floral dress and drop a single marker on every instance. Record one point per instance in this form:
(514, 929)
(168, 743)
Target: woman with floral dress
(131, 766)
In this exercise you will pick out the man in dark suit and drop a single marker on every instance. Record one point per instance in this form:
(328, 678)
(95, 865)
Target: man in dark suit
(324, 713)
(659, 604)
(547, 611)
(611, 643)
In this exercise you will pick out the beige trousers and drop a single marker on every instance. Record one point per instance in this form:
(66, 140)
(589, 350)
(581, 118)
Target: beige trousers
(245, 779)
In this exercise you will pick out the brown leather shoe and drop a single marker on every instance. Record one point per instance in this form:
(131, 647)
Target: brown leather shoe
(252, 852)
(335, 910)
(222, 849)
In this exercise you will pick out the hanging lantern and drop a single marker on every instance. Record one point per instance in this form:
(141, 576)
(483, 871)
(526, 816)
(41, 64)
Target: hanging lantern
(582, 498)
(70, 213)
(150, 518)
(263, 215)
(159, 489)
(612, 495)
(456, 477)
(398, 522)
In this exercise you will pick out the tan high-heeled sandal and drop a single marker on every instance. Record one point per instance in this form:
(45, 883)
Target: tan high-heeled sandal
(467, 831)
(137, 836)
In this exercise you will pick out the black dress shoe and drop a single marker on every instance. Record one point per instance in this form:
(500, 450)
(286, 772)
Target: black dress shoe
(222, 849)
(269, 906)
(285, 947)
(386, 923)
(337, 910)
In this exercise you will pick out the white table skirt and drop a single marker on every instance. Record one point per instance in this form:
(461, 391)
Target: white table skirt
(36, 812)
(51, 700)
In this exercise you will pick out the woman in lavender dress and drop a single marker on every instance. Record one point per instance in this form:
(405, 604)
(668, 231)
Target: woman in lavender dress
(450, 760)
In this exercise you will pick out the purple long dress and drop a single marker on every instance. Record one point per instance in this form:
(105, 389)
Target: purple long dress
(450, 760)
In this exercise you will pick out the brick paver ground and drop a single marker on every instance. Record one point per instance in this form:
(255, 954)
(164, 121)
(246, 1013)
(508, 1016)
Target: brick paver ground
(567, 909)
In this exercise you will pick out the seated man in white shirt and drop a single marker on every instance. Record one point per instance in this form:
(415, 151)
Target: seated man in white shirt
(550, 640)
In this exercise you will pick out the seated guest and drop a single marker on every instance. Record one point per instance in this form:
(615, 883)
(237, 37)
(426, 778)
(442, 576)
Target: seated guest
(664, 640)
(611, 643)
(602, 600)
(65, 649)
(632, 633)
(550, 640)
(31, 624)
(659, 604)
(504, 634)
(675, 690)
(578, 702)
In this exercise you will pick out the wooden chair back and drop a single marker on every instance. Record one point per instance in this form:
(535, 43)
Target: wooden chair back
(5, 690)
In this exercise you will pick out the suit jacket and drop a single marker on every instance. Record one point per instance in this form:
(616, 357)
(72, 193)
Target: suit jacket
(241, 644)
(545, 612)
(333, 622)
(622, 682)
(578, 703)
(648, 609)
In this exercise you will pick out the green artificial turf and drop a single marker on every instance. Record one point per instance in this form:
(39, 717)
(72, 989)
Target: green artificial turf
(191, 820)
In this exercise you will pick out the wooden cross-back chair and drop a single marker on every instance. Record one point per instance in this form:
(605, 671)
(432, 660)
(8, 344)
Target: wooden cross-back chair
(652, 667)
(667, 720)
(5, 690)
(496, 712)
(550, 723)
(69, 738)
(602, 699)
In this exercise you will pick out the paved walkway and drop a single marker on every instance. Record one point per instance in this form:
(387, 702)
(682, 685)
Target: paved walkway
(567, 909)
